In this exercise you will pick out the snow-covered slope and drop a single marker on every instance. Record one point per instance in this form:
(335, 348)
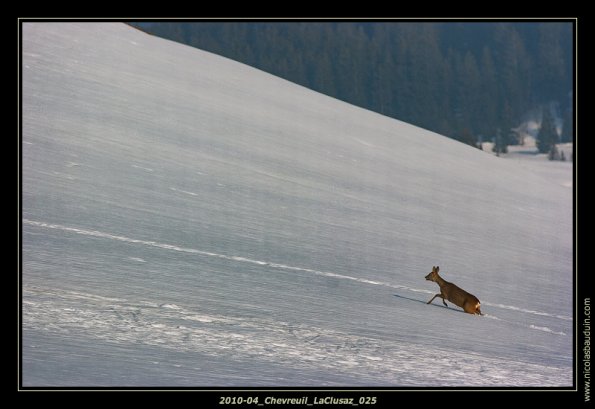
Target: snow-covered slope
(189, 220)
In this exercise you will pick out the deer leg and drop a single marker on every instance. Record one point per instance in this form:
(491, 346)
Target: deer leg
(437, 295)
(443, 299)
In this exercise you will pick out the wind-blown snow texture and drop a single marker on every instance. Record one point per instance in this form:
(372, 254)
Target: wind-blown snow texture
(189, 220)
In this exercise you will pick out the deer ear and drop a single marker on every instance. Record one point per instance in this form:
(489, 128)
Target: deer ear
(437, 268)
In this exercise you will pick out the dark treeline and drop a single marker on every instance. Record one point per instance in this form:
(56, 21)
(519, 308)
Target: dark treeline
(464, 80)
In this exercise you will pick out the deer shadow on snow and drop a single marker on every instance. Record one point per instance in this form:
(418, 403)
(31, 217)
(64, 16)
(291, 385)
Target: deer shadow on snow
(424, 302)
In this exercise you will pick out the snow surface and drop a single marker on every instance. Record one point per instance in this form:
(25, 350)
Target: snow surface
(189, 220)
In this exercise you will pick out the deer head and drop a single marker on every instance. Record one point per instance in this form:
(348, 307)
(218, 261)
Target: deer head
(433, 276)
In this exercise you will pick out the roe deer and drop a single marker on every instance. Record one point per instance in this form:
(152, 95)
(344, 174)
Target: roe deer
(454, 294)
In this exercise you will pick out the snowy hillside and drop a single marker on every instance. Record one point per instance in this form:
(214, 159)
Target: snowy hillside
(191, 221)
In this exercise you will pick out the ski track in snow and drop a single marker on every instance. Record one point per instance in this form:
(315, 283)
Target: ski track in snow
(183, 191)
(302, 347)
(142, 168)
(546, 329)
(103, 235)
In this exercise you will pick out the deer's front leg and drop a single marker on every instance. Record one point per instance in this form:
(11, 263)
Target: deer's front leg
(437, 295)
(444, 297)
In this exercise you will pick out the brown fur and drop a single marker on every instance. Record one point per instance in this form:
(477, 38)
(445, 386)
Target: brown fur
(459, 297)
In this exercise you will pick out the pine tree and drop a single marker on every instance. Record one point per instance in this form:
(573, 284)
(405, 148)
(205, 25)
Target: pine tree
(467, 137)
(553, 154)
(550, 54)
(499, 145)
(514, 137)
(567, 131)
(489, 92)
(547, 135)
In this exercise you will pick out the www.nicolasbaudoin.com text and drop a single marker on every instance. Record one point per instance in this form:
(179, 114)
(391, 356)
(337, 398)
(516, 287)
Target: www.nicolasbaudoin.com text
(587, 348)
